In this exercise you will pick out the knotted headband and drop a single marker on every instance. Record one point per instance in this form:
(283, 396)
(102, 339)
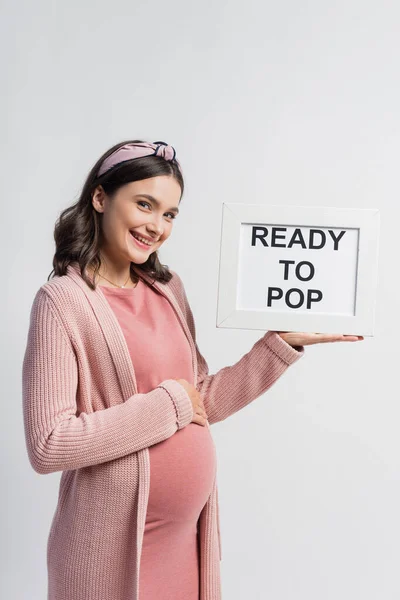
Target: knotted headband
(137, 150)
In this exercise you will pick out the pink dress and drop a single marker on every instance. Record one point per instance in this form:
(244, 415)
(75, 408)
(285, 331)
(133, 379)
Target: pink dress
(182, 467)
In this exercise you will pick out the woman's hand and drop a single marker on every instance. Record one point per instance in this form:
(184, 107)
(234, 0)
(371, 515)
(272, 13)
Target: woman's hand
(307, 339)
(199, 412)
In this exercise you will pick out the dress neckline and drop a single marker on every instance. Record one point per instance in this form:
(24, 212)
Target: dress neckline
(120, 291)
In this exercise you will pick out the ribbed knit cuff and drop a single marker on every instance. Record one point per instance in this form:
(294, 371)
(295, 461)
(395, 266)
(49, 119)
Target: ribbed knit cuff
(282, 349)
(182, 402)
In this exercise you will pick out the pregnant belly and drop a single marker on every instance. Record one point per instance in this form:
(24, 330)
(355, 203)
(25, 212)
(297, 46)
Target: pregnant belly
(182, 470)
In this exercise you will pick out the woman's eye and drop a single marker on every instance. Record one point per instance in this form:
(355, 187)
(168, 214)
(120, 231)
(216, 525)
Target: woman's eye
(172, 215)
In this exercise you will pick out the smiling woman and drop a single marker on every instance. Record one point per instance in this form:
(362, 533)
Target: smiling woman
(131, 230)
(118, 397)
(133, 191)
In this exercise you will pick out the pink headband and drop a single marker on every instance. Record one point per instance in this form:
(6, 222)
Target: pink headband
(137, 150)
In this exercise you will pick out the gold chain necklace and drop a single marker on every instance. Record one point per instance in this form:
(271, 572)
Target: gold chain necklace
(120, 286)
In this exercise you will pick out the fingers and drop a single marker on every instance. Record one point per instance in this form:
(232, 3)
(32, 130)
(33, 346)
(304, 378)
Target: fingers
(200, 416)
(326, 338)
(307, 339)
(201, 411)
(199, 419)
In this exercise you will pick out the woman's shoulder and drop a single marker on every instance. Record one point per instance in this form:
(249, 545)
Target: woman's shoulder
(178, 289)
(60, 296)
(62, 300)
(59, 288)
(175, 280)
(177, 286)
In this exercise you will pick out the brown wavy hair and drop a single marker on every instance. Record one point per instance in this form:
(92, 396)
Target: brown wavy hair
(77, 232)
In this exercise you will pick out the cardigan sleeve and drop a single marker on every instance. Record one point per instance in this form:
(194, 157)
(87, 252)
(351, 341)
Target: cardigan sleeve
(57, 438)
(233, 387)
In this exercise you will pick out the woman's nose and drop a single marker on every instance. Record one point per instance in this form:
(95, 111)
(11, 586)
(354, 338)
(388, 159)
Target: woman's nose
(156, 226)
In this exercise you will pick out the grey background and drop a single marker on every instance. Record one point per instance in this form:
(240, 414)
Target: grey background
(277, 102)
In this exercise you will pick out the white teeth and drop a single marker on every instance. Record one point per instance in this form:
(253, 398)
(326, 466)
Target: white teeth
(141, 239)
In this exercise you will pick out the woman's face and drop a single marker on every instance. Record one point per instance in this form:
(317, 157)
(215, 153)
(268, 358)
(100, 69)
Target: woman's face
(130, 214)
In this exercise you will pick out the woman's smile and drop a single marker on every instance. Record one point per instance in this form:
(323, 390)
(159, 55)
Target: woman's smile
(139, 242)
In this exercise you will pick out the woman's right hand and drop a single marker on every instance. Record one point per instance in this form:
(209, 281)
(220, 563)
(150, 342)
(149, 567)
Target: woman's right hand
(199, 413)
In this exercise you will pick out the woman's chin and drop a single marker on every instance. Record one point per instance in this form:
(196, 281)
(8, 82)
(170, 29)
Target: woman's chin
(138, 258)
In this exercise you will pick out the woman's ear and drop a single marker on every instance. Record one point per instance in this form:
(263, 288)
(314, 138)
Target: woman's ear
(98, 197)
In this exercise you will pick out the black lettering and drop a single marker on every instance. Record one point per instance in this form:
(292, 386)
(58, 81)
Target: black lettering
(287, 298)
(312, 246)
(312, 270)
(271, 297)
(259, 236)
(286, 263)
(279, 237)
(297, 233)
(310, 298)
(336, 239)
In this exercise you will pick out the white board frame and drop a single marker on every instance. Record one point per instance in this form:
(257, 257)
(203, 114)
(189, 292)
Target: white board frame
(236, 214)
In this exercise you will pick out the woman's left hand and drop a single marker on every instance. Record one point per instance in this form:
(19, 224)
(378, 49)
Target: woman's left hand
(307, 339)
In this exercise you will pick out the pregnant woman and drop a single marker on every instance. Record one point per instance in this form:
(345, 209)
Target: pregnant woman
(118, 398)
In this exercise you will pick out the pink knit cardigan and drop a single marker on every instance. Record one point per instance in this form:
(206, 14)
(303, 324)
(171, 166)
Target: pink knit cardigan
(84, 417)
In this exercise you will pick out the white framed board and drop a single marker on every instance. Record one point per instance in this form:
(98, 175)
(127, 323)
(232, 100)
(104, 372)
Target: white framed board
(298, 268)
